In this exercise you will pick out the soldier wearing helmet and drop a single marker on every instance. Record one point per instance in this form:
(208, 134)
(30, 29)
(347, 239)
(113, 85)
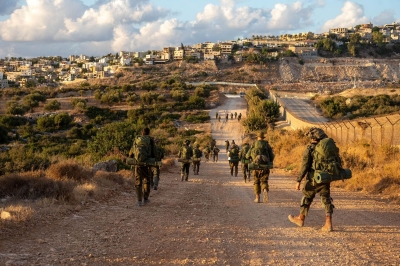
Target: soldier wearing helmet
(310, 188)
(185, 153)
(155, 179)
(197, 154)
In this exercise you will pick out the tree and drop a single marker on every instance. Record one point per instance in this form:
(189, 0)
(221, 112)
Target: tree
(355, 38)
(52, 106)
(377, 37)
(118, 135)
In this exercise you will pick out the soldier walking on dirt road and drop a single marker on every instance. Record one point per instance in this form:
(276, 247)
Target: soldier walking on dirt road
(185, 155)
(215, 152)
(310, 188)
(261, 153)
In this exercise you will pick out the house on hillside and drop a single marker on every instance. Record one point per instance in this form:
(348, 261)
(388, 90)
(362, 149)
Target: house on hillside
(304, 52)
(3, 81)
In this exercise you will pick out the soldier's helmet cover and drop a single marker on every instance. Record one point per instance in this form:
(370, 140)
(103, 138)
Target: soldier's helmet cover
(187, 141)
(316, 133)
(197, 145)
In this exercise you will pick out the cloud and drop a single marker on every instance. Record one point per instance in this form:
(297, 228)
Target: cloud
(7, 6)
(352, 15)
(137, 25)
(385, 17)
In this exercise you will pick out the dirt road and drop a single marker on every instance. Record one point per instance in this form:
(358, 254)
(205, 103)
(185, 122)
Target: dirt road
(212, 220)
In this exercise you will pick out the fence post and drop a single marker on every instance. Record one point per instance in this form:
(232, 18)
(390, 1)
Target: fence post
(347, 132)
(381, 129)
(341, 131)
(354, 131)
(391, 137)
(372, 140)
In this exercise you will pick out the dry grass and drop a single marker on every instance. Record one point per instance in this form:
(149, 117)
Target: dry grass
(69, 170)
(167, 163)
(16, 213)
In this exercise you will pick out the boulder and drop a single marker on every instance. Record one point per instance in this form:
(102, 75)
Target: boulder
(108, 166)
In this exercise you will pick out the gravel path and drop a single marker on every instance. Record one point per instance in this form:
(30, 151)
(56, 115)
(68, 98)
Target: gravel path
(212, 220)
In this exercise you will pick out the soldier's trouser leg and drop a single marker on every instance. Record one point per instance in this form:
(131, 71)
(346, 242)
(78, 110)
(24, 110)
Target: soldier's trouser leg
(231, 167)
(325, 194)
(264, 175)
(236, 168)
(186, 168)
(216, 158)
(141, 179)
(257, 182)
(309, 192)
(244, 170)
(156, 175)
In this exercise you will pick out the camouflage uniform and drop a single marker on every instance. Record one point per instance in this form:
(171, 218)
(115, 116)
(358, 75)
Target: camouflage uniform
(143, 174)
(242, 157)
(185, 167)
(227, 145)
(260, 177)
(233, 164)
(197, 153)
(156, 169)
(310, 187)
(215, 152)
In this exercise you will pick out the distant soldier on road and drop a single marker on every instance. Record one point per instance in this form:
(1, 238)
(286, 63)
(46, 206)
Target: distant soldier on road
(235, 115)
(231, 116)
(245, 164)
(185, 154)
(215, 152)
(156, 169)
(233, 156)
(197, 154)
(216, 115)
(226, 117)
(227, 145)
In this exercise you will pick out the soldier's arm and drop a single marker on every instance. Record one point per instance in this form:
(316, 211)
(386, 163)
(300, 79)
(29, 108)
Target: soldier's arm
(305, 163)
(153, 148)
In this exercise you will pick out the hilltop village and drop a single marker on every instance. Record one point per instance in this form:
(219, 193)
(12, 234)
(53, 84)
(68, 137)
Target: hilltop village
(367, 53)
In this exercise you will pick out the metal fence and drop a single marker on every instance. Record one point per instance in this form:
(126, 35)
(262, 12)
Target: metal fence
(378, 130)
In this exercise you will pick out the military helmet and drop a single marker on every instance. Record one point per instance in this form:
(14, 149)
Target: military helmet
(233, 142)
(316, 133)
(197, 145)
(187, 141)
(261, 134)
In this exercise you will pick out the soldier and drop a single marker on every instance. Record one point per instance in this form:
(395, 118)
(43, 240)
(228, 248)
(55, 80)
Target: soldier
(234, 158)
(144, 148)
(239, 117)
(231, 116)
(216, 115)
(156, 169)
(235, 115)
(227, 145)
(215, 152)
(245, 164)
(185, 154)
(226, 117)
(219, 118)
(197, 154)
(207, 151)
(261, 151)
(310, 188)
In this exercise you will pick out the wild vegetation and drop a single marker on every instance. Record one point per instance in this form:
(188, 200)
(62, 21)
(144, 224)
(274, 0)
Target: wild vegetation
(359, 106)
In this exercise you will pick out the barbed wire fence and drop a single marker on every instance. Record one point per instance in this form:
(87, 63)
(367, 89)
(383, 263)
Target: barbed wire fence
(380, 131)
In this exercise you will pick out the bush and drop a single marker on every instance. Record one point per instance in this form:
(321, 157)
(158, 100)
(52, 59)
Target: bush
(68, 170)
(52, 106)
(31, 186)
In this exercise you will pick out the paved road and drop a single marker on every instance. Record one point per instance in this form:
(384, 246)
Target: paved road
(303, 110)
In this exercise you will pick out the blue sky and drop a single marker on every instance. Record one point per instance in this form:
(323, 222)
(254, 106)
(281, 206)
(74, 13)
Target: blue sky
(30, 28)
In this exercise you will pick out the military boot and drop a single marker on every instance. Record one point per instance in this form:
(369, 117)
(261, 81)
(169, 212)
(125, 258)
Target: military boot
(257, 199)
(299, 220)
(328, 224)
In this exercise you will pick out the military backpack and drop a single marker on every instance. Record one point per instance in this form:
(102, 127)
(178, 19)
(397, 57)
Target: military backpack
(259, 152)
(141, 149)
(326, 157)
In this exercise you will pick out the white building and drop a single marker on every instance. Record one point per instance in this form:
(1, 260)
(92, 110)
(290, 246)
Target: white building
(3, 81)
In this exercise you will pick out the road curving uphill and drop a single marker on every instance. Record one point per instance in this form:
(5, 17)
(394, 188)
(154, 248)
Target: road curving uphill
(212, 220)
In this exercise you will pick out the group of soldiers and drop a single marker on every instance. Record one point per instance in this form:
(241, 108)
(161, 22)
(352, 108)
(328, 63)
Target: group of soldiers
(260, 151)
(232, 115)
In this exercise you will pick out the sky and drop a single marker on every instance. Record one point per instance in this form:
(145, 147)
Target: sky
(31, 28)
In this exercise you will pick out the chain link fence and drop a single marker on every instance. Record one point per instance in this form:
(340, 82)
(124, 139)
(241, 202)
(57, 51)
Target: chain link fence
(378, 130)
